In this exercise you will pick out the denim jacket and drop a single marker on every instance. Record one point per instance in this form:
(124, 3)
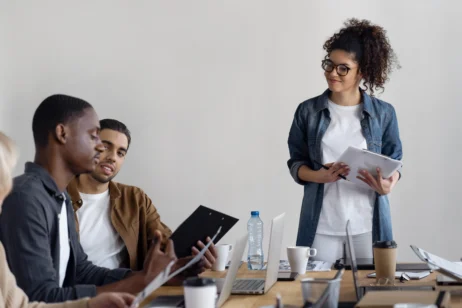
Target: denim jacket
(380, 129)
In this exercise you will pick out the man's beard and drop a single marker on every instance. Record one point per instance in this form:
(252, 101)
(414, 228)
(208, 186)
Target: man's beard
(102, 180)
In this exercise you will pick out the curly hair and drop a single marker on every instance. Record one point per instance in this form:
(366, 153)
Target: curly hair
(371, 47)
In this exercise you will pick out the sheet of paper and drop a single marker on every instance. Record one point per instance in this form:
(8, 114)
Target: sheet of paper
(165, 276)
(452, 267)
(154, 285)
(312, 266)
(436, 262)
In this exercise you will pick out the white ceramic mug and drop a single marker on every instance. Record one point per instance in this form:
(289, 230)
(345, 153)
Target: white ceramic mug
(223, 251)
(298, 257)
(200, 292)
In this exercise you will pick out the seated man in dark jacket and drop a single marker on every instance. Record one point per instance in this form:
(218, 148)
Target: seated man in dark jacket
(37, 225)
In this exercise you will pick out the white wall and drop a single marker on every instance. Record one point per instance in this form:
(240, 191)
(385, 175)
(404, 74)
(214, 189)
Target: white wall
(5, 59)
(209, 88)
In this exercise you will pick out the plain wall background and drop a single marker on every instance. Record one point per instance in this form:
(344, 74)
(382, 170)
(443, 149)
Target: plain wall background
(209, 89)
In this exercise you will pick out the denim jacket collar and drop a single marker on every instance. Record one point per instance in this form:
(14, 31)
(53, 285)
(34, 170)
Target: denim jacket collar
(322, 102)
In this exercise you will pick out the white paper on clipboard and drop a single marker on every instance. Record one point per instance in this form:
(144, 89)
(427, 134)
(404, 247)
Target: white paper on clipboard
(360, 159)
(449, 268)
(166, 276)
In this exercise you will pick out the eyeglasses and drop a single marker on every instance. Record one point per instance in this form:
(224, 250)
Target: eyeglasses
(328, 66)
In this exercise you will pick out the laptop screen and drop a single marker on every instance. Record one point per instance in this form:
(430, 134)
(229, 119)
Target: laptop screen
(353, 264)
(274, 251)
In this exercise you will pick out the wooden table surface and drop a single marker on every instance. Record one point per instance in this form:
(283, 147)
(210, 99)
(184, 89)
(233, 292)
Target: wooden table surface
(291, 290)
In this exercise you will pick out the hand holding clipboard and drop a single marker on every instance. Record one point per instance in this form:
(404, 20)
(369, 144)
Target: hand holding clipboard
(369, 169)
(165, 275)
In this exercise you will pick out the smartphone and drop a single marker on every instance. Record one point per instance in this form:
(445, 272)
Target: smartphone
(287, 276)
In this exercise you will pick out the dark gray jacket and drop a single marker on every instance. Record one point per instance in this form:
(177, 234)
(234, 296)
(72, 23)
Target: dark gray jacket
(29, 230)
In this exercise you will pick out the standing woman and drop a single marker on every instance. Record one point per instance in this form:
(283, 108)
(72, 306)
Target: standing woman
(325, 126)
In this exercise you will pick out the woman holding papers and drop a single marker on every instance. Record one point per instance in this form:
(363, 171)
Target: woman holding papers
(325, 126)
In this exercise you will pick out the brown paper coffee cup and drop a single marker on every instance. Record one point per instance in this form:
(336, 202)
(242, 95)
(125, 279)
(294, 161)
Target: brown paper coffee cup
(385, 261)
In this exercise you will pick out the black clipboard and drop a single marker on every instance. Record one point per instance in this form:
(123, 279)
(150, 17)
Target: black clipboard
(203, 222)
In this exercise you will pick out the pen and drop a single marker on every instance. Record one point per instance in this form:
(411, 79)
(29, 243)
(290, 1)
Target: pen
(327, 168)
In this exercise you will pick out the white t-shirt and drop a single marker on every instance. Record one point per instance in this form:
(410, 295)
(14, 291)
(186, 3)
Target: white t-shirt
(344, 200)
(64, 246)
(98, 238)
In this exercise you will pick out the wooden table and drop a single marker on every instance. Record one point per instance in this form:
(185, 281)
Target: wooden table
(291, 291)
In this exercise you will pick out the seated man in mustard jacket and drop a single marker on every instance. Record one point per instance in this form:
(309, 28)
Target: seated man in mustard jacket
(116, 222)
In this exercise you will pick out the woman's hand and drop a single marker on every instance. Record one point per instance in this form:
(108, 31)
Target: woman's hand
(333, 173)
(379, 184)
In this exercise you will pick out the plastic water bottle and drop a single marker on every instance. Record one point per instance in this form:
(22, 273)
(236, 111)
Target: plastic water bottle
(255, 259)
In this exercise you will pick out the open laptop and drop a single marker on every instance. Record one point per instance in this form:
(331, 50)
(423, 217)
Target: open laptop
(238, 286)
(361, 290)
(262, 285)
(354, 269)
(368, 264)
(224, 286)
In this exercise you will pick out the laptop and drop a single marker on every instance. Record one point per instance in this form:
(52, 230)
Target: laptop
(361, 290)
(368, 264)
(230, 285)
(224, 286)
(263, 285)
(354, 269)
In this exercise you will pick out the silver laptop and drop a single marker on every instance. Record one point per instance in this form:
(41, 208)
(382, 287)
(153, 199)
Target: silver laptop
(361, 290)
(353, 264)
(230, 285)
(262, 285)
(224, 286)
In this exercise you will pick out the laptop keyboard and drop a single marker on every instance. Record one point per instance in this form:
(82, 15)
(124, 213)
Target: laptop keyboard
(248, 284)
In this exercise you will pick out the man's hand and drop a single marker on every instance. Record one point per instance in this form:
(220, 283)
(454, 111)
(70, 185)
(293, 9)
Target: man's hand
(210, 255)
(157, 260)
(193, 271)
(111, 300)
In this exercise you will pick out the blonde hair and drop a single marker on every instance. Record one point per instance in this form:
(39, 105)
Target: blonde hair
(8, 159)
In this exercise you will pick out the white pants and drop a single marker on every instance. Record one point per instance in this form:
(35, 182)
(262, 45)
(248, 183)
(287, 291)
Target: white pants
(330, 247)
